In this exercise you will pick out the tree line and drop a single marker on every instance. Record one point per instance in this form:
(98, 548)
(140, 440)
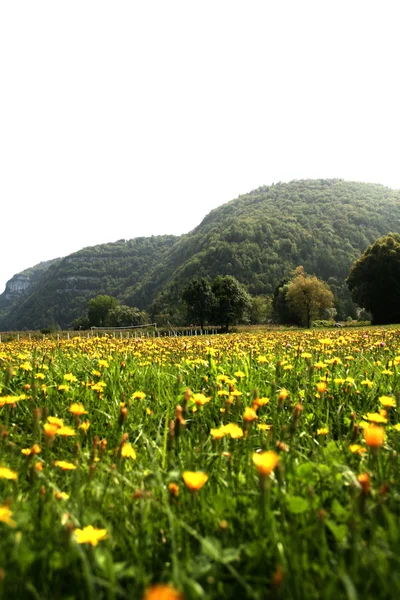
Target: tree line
(373, 283)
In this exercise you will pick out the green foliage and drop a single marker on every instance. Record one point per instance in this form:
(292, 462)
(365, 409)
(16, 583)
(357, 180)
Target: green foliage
(232, 301)
(282, 312)
(125, 316)
(200, 300)
(260, 310)
(374, 279)
(308, 297)
(99, 308)
(258, 238)
(323, 524)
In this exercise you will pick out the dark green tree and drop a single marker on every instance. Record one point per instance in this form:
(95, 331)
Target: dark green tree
(345, 307)
(260, 310)
(374, 279)
(98, 309)
(125, 316)
(232, 301)
(200, 300)
(281, 310)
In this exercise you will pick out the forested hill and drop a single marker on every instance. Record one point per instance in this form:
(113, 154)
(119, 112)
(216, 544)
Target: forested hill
(259, 238)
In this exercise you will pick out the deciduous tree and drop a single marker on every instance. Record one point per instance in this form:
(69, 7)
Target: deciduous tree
(232, 301)
(308, 297)
(199, 299)
(374, 279)
(98, 309)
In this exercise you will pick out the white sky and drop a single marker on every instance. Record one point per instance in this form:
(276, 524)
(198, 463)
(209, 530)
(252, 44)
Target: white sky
(122, 118)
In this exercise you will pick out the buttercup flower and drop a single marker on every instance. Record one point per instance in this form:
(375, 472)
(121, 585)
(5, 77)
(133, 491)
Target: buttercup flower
(194, 480)
(6, 473)
(265, 462)
(90, 535)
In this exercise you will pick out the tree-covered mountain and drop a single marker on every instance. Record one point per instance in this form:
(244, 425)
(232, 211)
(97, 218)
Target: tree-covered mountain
(259, 238)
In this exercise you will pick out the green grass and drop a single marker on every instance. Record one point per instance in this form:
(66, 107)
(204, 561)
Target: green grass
(309, 530)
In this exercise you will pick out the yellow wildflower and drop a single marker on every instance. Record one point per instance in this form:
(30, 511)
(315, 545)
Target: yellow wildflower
(323, 431)
(194, 480)
(77, 409)
(387, 401)
(162, 592)
(5, 516)
(127, 451)
(265, 462)
(374, 436)
(64, 465)
(66, 431)
(6, 473)
(90, 535)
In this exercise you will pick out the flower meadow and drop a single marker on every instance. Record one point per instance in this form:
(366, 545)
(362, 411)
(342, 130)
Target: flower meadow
(250, 465)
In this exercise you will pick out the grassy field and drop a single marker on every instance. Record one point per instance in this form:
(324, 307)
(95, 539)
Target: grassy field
(251, 465)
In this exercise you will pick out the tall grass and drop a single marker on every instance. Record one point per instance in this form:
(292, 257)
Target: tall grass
(323, 522)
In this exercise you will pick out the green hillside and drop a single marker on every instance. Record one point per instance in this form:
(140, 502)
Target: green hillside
(61, 294)
(259, 238)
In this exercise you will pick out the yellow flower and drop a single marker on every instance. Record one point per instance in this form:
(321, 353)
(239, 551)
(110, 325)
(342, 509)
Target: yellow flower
(367, 382)
(173, 489)
(66, 431)
(138, 395)
(61, 495)
(257, 402)
(63, 388)
(283, 394)
(365, 482)
(5, 516)
(84, 426)
(55, 421)
(90, 535)
(200, 399)
(323, 431)
(233, 430)
(64, 465)
(249, 415)
(264, 427)
(26, 366)
(321, 386)
(375, 418)
(194, 480)
(77, 409)
(320, 365)
(386, 372)
(70, 377)
(217, 434)
(6, 473)
(374, 436)
(127, 451)
(261, 359)
(162, 592)
(265, 462)
(50, 430)
(397, 427)
(387, 401)
(240, 374)
(36, 449)
(357, 449)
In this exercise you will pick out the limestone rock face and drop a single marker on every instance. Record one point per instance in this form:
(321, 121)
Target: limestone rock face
(16, 286)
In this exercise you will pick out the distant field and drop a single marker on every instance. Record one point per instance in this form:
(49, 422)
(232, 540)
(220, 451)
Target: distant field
(251, 465)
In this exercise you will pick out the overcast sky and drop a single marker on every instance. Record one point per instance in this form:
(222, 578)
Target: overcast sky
(121, 119)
